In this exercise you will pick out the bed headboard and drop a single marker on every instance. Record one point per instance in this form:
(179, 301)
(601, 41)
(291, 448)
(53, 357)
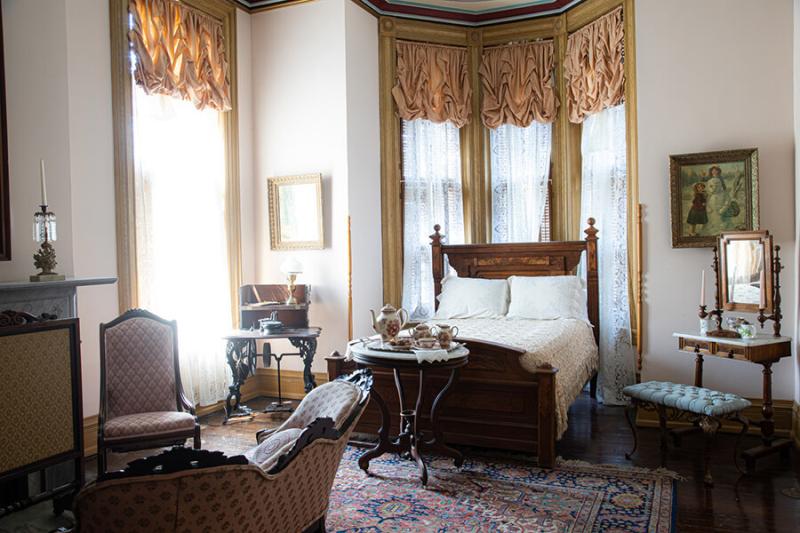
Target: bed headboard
(501, 260)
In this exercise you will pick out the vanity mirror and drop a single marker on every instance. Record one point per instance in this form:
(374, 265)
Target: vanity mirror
(747, 269)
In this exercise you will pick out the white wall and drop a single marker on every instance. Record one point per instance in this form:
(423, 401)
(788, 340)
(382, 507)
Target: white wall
(300, 126)
(363, 159)
(712, 75)
(91, 174)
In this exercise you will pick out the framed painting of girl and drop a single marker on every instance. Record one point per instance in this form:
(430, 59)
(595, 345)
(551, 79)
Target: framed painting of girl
(711, 193)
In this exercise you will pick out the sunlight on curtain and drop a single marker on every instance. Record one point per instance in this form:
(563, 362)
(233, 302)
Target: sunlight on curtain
(604, 197)
(520, 161)
(179, 154)
(432, 195)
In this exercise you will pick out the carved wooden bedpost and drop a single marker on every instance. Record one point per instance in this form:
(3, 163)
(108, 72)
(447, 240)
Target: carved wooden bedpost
(591, 278)
(437, 262)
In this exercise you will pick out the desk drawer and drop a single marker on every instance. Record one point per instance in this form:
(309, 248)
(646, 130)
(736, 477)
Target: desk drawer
(731, 352)
(691, 345)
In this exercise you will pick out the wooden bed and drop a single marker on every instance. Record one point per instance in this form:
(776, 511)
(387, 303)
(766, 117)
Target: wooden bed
(495, 403)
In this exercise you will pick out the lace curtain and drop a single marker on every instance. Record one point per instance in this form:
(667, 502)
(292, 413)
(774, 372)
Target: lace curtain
(604, 196)
(431, 195)
(181, 242)
(520, 163)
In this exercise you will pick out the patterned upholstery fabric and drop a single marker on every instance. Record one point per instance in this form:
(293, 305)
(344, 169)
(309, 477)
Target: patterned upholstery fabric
(335, 400)
(140, 371)
(687, 398)
(266, 454)
(145, 424)
(241, 498)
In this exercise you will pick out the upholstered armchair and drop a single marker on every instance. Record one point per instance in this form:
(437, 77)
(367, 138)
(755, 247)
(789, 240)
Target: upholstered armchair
(142, 403)
(285, 486)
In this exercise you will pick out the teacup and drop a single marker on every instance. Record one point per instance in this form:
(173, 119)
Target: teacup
(426, 342)
(421, 331)
(446, 334)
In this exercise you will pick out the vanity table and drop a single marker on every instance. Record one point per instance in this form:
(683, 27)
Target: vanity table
(762, 350)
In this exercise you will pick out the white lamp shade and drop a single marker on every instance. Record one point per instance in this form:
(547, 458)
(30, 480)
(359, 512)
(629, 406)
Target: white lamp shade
(292, 266)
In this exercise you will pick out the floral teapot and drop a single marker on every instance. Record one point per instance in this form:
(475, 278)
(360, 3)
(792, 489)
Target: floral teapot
(389, 322)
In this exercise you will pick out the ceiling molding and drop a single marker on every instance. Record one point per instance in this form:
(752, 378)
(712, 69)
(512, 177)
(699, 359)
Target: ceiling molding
(460, 12)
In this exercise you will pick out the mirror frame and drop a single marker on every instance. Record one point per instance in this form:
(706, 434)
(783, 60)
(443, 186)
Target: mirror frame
(765, 241)
(274, 185)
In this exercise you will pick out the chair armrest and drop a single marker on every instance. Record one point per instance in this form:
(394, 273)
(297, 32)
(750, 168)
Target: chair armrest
(183, 402)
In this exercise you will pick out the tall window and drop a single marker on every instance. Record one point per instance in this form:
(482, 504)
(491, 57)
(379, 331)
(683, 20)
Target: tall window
(178, 230)
(520, 164)
(431, 195)
(181, 242)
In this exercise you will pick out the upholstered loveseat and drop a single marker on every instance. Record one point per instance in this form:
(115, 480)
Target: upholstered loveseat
(284, 486)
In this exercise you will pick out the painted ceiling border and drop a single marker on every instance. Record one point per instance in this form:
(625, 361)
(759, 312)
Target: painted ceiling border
(411, 10)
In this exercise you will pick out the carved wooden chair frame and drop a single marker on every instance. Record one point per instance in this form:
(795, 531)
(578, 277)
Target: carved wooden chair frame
(182, 403)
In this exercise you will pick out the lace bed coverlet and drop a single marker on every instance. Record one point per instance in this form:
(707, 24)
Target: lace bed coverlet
(567, 344)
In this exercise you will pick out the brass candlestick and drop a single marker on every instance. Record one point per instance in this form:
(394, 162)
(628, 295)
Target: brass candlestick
(44, 231)
(776, 315)
(290, 286)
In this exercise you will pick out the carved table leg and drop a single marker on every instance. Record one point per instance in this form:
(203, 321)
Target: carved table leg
(307, 347)
(241, 355)
(384, 444)
(437, 443)
(770, 444)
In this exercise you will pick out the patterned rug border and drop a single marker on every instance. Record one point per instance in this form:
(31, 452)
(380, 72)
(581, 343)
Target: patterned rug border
(611, 467)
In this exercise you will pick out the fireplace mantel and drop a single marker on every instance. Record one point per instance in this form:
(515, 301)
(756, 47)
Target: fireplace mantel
(53, 297)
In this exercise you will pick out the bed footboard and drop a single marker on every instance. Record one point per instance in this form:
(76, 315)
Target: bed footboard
(495, 403)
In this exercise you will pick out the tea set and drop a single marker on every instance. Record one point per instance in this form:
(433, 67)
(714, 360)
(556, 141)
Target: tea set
(390, 321)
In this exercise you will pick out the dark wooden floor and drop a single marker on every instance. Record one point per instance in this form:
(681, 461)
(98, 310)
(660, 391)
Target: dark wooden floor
(599, 434)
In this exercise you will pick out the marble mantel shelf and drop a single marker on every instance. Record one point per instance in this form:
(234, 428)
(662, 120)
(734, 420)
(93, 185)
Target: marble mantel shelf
(59, 298)
(69, 282)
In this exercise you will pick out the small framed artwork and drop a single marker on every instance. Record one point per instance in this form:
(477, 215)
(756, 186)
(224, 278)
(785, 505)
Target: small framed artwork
(712, 193)
(295, 212)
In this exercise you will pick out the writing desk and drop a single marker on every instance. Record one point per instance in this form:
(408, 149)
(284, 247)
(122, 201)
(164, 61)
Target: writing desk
(762, 350)
(242, 355)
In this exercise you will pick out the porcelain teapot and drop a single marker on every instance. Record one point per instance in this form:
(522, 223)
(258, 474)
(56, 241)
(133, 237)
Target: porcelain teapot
(389, 322)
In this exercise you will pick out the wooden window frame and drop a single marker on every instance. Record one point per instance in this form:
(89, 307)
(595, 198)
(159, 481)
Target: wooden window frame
(565, 155)
(124, 170)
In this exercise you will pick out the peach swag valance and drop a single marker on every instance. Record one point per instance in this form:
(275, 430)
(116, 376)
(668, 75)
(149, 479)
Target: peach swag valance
(432, 83)
(594, 67)
(518, 85)
(180, 52)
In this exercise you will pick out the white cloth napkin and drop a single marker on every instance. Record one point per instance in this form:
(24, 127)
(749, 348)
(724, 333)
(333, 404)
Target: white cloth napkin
(431, 356)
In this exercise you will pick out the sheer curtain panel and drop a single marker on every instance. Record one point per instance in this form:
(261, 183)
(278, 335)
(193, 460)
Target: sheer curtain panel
(520, 164)
(604, 196)
(431, 195)
(181, 241)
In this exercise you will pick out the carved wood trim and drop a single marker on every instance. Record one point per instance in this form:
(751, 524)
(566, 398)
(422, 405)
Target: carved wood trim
(174, 460)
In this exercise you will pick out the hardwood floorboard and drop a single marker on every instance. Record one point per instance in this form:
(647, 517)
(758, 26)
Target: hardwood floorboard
(599, 434)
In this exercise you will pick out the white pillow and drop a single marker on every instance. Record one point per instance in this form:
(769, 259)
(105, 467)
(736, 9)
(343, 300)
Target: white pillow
(547, 297)
(472, 298)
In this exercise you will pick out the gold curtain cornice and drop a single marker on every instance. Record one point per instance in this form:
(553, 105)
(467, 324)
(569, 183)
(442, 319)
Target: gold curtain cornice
(594, 67)
(518, 85)
(432, 83)
(180, 52)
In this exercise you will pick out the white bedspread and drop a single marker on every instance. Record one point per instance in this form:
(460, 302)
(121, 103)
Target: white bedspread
(566, 344)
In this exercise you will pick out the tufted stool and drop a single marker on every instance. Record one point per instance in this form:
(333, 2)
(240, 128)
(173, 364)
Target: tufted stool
(705, 408)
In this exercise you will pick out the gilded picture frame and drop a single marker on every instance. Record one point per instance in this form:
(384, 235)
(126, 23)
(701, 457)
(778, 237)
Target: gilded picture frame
(295, 212)
(712, 193)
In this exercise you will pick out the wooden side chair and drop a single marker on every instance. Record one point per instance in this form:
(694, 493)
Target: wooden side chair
(142, 403)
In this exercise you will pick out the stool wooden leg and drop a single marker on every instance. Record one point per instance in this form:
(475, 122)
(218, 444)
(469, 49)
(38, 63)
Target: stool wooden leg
(662, 425)
(710, 426)
(630, 415)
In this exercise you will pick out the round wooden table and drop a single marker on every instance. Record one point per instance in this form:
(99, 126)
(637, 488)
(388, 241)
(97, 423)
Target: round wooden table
(410, 440)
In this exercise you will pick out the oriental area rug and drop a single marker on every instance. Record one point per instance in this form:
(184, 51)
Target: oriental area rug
(499, 495)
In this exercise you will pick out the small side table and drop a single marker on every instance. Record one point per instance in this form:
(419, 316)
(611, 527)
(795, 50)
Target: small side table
(410, 440)
(242, 354)
(762, 350)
